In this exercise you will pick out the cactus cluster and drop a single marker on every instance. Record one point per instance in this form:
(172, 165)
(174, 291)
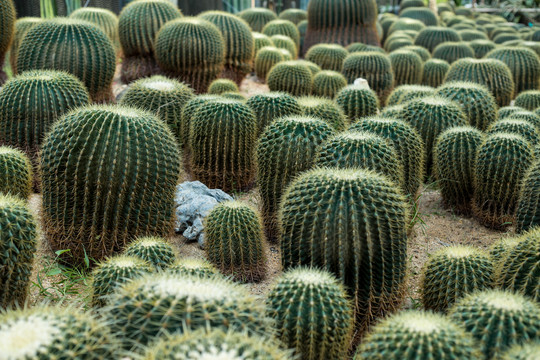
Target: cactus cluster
(432, 36)
(405, 24)
(291, 77)
(7, 30)
(260, 41)
(15, 173)
(284, 42)
(419, 50)
(517, 113)
(515, 126)
(357, 102)
(283, 27)
(523, 63)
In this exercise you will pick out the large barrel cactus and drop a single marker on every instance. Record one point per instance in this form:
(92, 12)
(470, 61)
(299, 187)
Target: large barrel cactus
(22, 26)
(523, 63)
(342, 22)
(87, 53)
(108, 176)
(239, 43)
(451, 51)
(351, 222)
(7, 30)
(191, 49)
(138, 24)
(528, 211)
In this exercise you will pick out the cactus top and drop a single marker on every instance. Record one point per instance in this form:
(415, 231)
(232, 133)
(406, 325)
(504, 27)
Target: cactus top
(309, 276)
(460, 251)
(502, 300)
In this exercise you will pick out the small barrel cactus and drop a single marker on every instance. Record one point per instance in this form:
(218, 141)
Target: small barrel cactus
(291, 77)
(260, 41)
(220, 86)
(423, 14)
(405, 24)
(314, 68)
(154, 250)
(347, 194)
(312, 312)
(257, 17)
(22, 26)
(500, 166)
(271, 106)
(529, 100)
(327, 56)
(453, 272)
(191, 49)
(528, 212)
(499, 249)
(405, 93)
(105, 19)
(90, 55)
(523, 63)
(328, 83)
(265, 59)
(114, 272)
(451, 51)
(324, 109)
(497, 319)
(47, 332)
(284, 42)
(223, 135)
(481, 47)
(141, 178)
(432, 36)
(18, 243)
(7, 30)
(393, 112)
(424, 54)
(454, 156)
(471, 35)
(515, 126)
(434, 72)
(193, 266)
(357, 102)
(520, 114)
(176, 304)
(283, 27)
(15, 173)
(418, 335)
(293, 15)
(407, 66)
(234, 239)
(163, 97)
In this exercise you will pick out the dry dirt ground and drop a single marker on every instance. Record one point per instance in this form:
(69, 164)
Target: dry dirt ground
(438, 227)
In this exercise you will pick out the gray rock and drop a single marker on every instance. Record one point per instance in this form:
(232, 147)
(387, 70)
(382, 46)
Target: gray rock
(193, 202)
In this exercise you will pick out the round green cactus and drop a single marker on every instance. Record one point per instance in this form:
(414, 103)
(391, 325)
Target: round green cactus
(271, 106)
(154, 250)
(193, 266)
(168, 303)
(7, 30)
(15, 173)
(105, 19)
(434, 72)
(265, 59)
(239, 44)
(285, 43)
(432, 36)
(47, 332)
(404, 24)
(504, 38)
(451, 51)
(471, 35)
(219, 86)
(90, 55)
(529, 100)
(354, 149)
(376, 68)
(393, 112)
(357, 102)
(223, 135)
(497, 319)
(114, 272)
(517, 269)
(142, 180)
(22, 26)
(481, 47)
(454, 156)
(492, 73)
(286, 148)
(260, 41)
(217, 344)
(499, 249)
(515, 126)
(190, 109)
(405, 93)
(528, 213)
(31, 102)
(521, 114)
(476, 101)
(422, 14)
(283, 27)
(418, 335)
(424, 54)
(407, 67)
(293, 15)
(191, 49)
(374, 292)
(324, 109)
(327, 56)
(291, 77)
(328, 83)
(313, 313)
(233, 95)
(396, 42)
(18, 243)
(162, 96)
(523, 63)
(508, 111)
(431, 116)
(234, 240)
(452, 273)
(407, 143)
(501, 163)
(257, 17)
(314, 68)
(331, 22)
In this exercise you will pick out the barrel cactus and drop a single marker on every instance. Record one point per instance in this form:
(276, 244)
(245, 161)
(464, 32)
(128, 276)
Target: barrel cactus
(324, 109)
(405, 93)
(265, 59)
(283, 27)
(432, 36)
(291, 77)
(162, 96)
(22, 26)
(285, 43)
(451, 51)
(526, 351)
(286, 148)
(423, 14)
(15, 173)
(424, 54)
(407, 67)
(500, 248)
(528, 213)
(191, 49)
(452, 273)
(357, 102)
(374, 293)
(223, 135)
(114, 272)
(81, 215)
(523, 63)
(220, 86)
(501, 163)
(529, 100)
(471, 35)
(7, 30)
(404, 24)
(418, 335)
(497, 320)
(177, 304)
(517, 113)
(260, 41)
(517, 269)
(454, 156)
(331, 22)
(234, 240)
(271, 106)
(376, 68)
(47, 332)
(193, 266)
(257, 17)
(239, 44)
(137, 35)
(18, 243)
(481, 47)
(312, 312)
(328, 83)
(190, 109)
(515, 126)
(492, 73)
(154, 250)
(327, 56)
(434, 72)
(105, 19)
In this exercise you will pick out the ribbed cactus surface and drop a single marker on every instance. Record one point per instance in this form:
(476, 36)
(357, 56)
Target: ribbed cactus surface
(257, 17)
(357, 102)
(7, 30)
(22, 26)
(15, 173)
(528, 213)
(271, 106)
(524, 64)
